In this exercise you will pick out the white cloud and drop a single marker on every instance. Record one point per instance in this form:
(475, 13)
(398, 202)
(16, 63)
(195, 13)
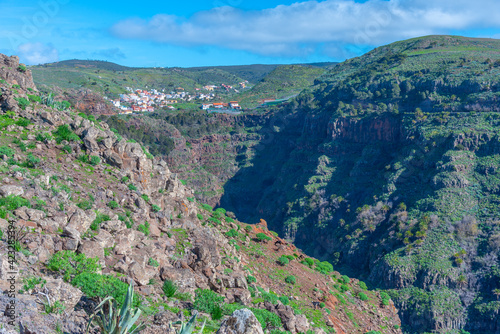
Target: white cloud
(298, 29)
(37, 53)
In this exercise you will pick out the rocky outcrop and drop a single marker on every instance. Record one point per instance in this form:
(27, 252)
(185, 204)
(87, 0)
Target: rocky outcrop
(386, 128)
(292, 323)
(241, 322)
(15, 73)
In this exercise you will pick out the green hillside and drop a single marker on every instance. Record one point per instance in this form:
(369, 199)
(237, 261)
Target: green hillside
(108, 79)
(282, 82)
(111, 79)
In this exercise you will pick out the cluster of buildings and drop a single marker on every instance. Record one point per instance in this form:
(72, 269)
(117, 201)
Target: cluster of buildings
(146, 101)
(138, 100)
(221, 105)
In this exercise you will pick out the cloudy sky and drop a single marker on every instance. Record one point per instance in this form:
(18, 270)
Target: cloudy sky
(228, 32)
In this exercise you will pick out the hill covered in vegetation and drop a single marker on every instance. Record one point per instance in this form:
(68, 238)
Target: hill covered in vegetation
(283, 82)
(111, 79)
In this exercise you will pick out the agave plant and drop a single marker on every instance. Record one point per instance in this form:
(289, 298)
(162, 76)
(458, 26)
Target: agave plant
(114, 322)
(187, 328)
(48, 100)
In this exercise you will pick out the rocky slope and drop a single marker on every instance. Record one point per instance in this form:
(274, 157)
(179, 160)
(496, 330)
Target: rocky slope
(92, 210)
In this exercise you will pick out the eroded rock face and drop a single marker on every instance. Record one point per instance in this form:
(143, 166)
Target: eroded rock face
(384, 129)
(14, 74)
(241, 322)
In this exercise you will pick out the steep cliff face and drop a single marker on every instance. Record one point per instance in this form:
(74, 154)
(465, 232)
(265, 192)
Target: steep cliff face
(389, 199)
(386, 129)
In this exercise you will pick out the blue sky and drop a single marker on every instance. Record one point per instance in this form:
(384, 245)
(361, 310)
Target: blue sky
(228, 32)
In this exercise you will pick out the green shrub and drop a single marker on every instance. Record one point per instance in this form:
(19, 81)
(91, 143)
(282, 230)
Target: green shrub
(322, 305)
(284, 300)
(384, 295)
(207, 207)
(63, 132)
(362, 285)
(251, 279)
(262, 237)
(200, 216)
(324, 267)
(268, 296)
(346, 279)
(11, 203)
(7, 151)
(283, 260)
(344, 288)
(248, 228)
(217, 312)
(125, 179)
(214, 220)
(290, 279)
(98, 220)
(34, 98)
(67, 149)
(363, 296)
(308, 262)
(22, 102)
(156, 208)
(94, 160)
(184, 296)
(184, 182)
(85, 204)
(113, 204)
(232, 233)
(30, 283)
(144, 228)
(70, 264)
(208, 301)
(101, 286)
(31, 161)
(266, 318)
(22, 68)
(23, 122)
(132, 187)
(145, 197)
(152, 262)
(169, 288)
(385, 298)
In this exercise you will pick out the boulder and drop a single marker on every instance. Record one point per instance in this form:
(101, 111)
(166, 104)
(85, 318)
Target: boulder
(140, 274)
(91, 249)
(81, 220)
(113, 158)
(63, 292)
(241, 322)
(8, 190)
